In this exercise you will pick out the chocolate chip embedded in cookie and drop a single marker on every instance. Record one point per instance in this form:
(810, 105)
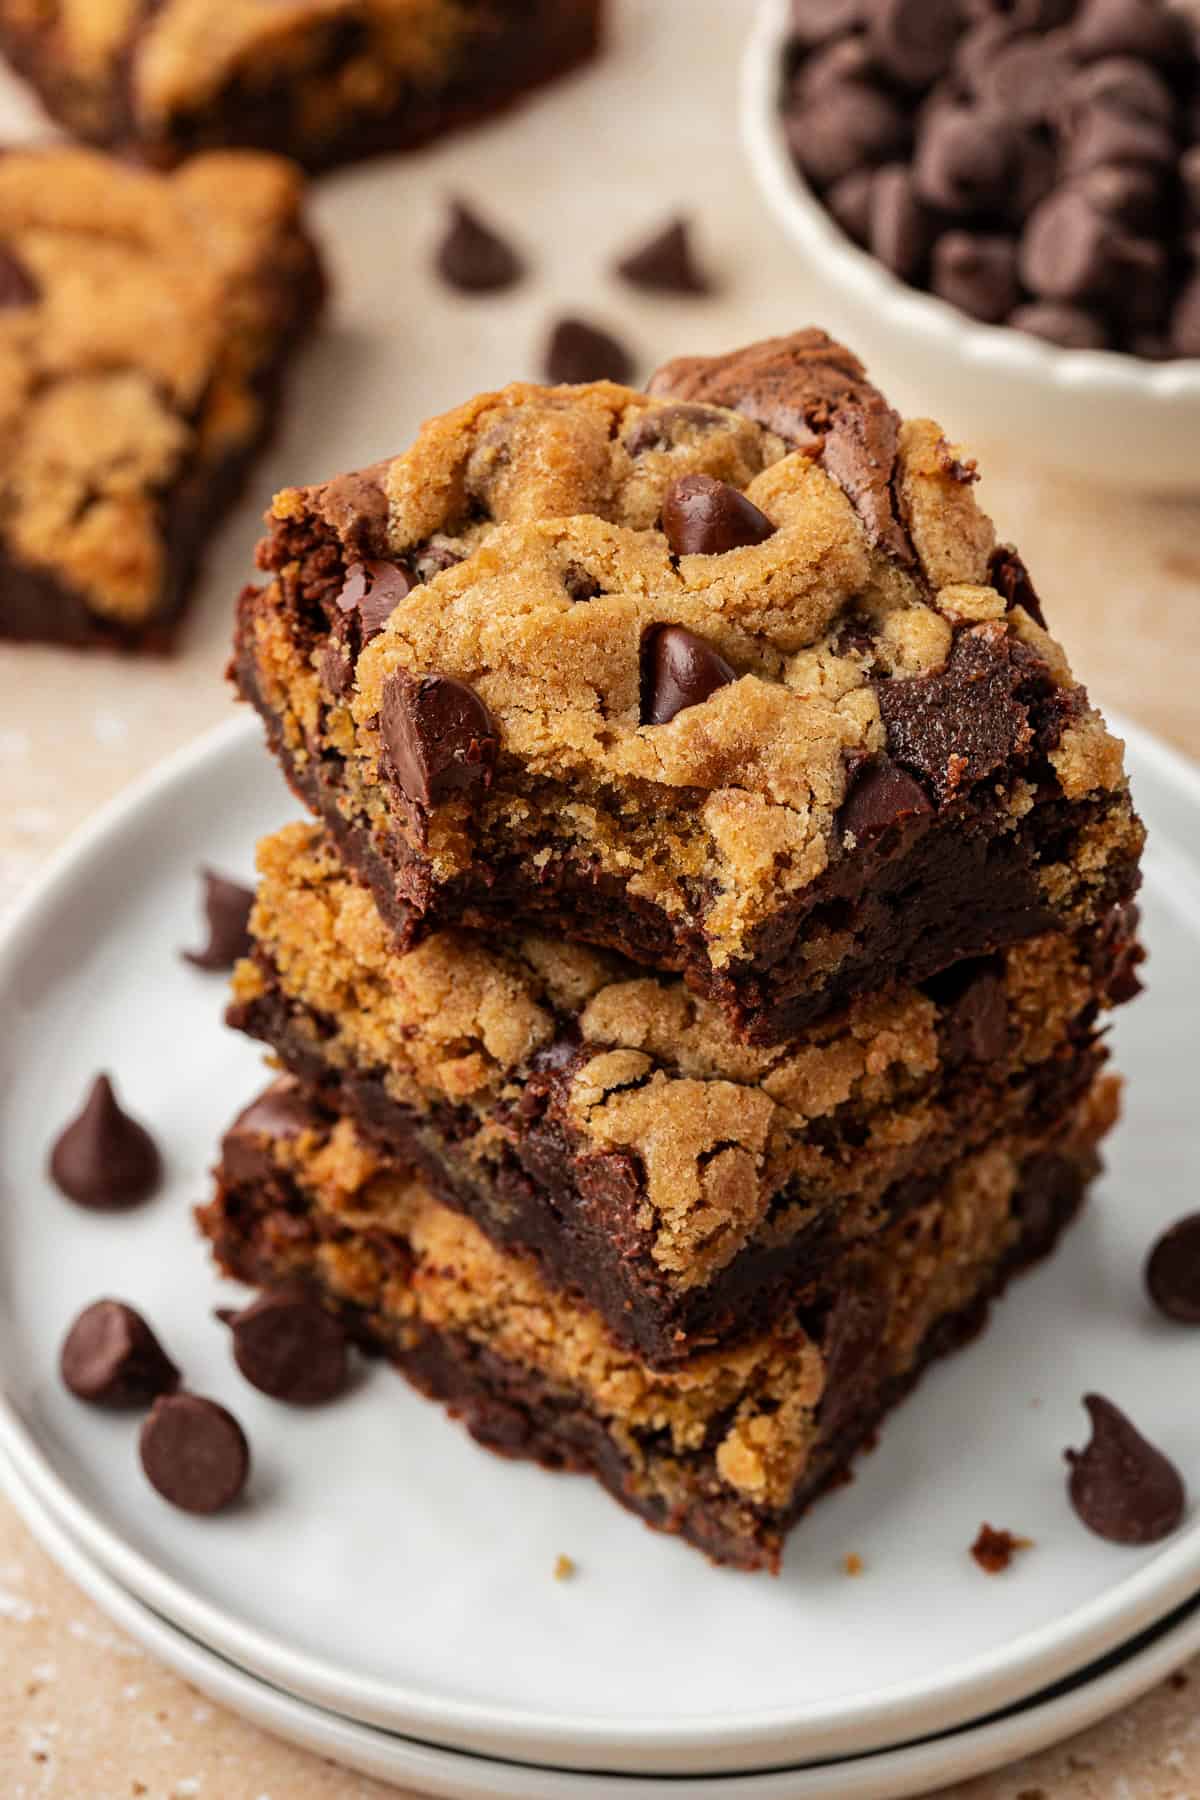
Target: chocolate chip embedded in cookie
(438, 736)
(371, 593)
(678, 670)
(703, 517)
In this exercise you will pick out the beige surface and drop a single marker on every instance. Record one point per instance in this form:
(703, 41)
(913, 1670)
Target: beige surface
(83, 1715)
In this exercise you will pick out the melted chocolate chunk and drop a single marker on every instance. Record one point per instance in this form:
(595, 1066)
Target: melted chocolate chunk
(474, 258)
(194, 1453)
(881, 795)
(705, 517)
(110, 1357)
(17, 286)
(227, 907)
(371, 593)
(104, 1159)
(438, 735)
(679, 669)
(665, 263)
(280, 1113)
(956, 728)
(289, 1346)
(1173, 1271)
(1009, 576)
(580, 352)
(1123, 1488)
(975, 1008)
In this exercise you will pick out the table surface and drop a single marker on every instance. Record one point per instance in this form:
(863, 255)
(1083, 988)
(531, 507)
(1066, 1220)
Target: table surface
(84, 1715)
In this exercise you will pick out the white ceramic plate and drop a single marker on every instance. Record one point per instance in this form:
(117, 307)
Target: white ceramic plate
(387, 1568)
(890, 1775)
(983, 382)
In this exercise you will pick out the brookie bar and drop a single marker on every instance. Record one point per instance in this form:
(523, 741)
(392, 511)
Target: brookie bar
(732, 677)
(146, 323)
(726, 1452)
(608, 1121)
(318, 80)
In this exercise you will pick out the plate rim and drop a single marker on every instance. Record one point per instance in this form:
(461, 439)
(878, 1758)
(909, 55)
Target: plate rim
(996, 1678)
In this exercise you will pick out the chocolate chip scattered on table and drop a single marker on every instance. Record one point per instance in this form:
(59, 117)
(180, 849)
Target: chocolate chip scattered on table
(1037, 166)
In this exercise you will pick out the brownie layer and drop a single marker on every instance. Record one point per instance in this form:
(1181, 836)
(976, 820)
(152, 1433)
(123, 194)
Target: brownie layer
(335, 86)
(726, 1452)
(880, 765)
(608, 1122)
(135, 435)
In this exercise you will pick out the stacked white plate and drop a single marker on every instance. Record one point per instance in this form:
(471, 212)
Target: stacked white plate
(386, 1581)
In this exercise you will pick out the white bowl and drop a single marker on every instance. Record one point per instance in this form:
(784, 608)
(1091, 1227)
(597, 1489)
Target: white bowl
(1092, 412)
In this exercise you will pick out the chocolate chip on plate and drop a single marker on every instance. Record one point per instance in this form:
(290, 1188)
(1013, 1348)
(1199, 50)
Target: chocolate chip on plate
(287, 1345)
(705, 517)
(438, 735)
(227, 906)
(194, 1453)
(371, 593)
(104, 1159)
(881, 795)
(579, 352)
(679, 669)
(110, 1357)
(1173, 1271)
(1123, 1488)
(666, 263)
(474, 258)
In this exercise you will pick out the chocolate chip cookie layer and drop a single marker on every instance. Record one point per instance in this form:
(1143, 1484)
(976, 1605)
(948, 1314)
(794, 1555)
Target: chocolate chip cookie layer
(319, 80)
(146, 323)
(731, 676)
(726, 1452)
(610, 1124)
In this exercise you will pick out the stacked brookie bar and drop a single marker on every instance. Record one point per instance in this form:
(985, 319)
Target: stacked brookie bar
(691, 995)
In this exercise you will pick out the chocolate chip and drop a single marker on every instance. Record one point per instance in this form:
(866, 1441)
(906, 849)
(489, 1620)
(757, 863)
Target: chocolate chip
(663, 427)
(227, 908)
(472, 257)
(1140, 28)
(705, 517)
(1133, 197)
(280, 1112)
(977, 272)
(974, 1005)
(816, 21)
(1009, 576)
(289, 1346)
(914, 39)
(1123, 1488)
(881, 795)
(110, 1357)
(194, 1453)
(1070, 327)
(435, 557)
(900, 228)
(1100, 136)
(842, 126)
(580, 352)
(849, 200)
(1123, 84)
(832, 65)
(438, 735)
(1024, 80)
(966, 160)
(17, 286)
(665, 263)
(1173, 1271)
(679, 669)
(1069, 251)
(371, 593)
(104, 1159)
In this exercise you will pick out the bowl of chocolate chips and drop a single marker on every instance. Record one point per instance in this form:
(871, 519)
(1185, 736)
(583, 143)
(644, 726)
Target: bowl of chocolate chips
(999, 201)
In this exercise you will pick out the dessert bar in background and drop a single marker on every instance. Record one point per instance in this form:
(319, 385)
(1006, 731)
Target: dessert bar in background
(732, 677)
(318, 80)
(729, 1450)
(607, 1122)
(1036, 166)
(146, 323)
